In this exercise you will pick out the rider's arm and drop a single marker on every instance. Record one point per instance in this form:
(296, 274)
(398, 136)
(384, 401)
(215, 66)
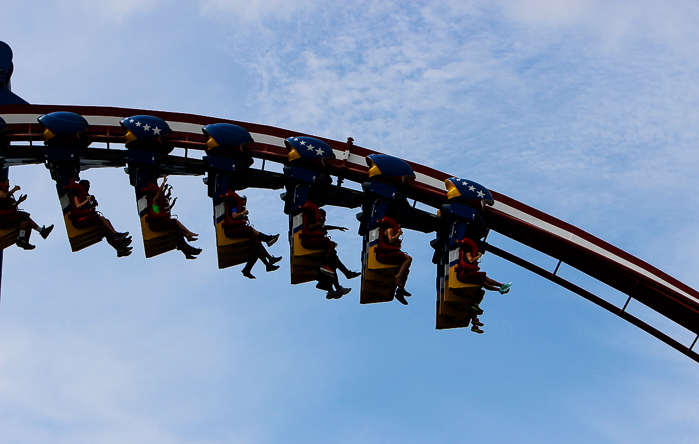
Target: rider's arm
(79, 205)
(159, 194)
(391, 236)
(238, 216)
(333, 227)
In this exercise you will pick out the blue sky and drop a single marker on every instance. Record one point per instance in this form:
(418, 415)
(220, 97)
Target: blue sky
(586, 110)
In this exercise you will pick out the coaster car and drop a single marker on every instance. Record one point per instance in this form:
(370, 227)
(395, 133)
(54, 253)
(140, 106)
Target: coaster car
(461, 289)
(9, 221)
(233, 244)
(306, 260)
(83, 226)
(158, 229)
(378, 275)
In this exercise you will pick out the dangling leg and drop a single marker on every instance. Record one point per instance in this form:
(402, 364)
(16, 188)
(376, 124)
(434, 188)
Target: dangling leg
(494, 285)
(476, 308)
(188, 251)
(269, 239)
(119, 241)
(110, 230)
(476, 324)
(262, 253)
(108, 226)
(339, 289)
(401, 279)
(248, 267)
(326, 267)
(185, 232)
(403, 271)
(24, 233)
(31, 225)
(337, 264)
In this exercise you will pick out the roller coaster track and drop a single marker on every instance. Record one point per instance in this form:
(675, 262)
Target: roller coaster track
(522, 223)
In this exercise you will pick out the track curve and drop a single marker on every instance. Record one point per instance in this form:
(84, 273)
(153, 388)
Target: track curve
(529, 226)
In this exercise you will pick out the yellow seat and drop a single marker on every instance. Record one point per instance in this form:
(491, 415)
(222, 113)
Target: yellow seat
(305, 263)
(455, 300)
(80, 238)
(452, 321)
(377, 280)
(8, 236)
(156, 242)
(231, 251)
(457, 291)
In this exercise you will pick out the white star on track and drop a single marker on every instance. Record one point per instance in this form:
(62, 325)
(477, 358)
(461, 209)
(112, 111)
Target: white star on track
(319, 151)
(138, 123)
(146, 128)
(156, 130)
(303, 142)
(130, 120)
(471, 188)
(481, 194)
(310, 147)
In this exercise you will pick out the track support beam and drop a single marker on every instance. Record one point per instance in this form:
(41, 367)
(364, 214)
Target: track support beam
(597, 300)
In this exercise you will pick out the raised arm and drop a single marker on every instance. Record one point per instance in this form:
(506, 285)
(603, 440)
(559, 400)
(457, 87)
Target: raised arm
(159, 194)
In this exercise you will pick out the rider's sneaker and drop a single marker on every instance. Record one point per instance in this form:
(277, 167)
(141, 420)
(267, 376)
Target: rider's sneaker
(403, 292)
(505, 288)
(45, 231)
(272, 240)
(325, 269)
(23, 243)
(401, 298)
(353, 274)
(337, 294)
(247, 274)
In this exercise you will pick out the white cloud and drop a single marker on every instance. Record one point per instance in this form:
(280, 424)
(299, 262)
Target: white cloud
(256, 10)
